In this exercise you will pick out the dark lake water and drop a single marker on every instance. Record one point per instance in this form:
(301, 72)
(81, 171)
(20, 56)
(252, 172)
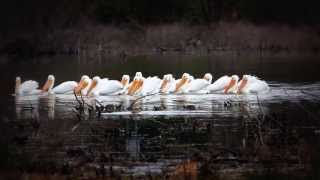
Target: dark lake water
(164, 136)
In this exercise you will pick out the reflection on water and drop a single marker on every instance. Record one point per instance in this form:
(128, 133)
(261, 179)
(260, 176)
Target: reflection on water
(163, 134)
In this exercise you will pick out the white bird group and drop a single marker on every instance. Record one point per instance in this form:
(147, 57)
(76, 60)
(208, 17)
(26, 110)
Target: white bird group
(144, 86)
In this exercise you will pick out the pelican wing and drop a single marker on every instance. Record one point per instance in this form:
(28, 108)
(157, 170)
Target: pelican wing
(28, 86)
(258, 86)
(197, 85)
(101, 85)
(219, 84)
(151, 85)
(110, 87)
(65, 87)
(172, 86)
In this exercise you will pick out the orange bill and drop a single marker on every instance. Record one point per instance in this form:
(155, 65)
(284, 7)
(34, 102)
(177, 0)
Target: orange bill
(243, 83)
(77, 89)
(47, 85)
(132, 87)
(163, 85)
(180, 84)
(138, 86)
(230, 85)
(92, 86)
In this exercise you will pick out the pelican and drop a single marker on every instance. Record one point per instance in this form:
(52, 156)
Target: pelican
(25, 87)
(168, 84)
(144, 86)
(183, 83)
(199, 84)
(252, 84)
(108, 87)
(30, 87)
(83, 85)
(226, 84)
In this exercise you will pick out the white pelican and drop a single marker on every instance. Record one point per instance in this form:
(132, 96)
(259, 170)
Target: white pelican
(144, 86)
(168, 84)
(25, 87)
(183, 83)
(83, 85)
(199, 84)
(226, 84)
(108, 87)
(252, 84)
(30, 87)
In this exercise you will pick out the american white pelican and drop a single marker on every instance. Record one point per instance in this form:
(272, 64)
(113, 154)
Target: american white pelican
(25, 87)
(30, 87)
(183, 83)
(252, 84)
(226, 84)
(83, 85)
(144, 86)
(199, 84)
(108, 87)
(168, 84)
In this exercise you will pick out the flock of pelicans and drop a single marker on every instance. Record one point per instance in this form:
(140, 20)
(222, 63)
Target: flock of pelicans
(144, 86)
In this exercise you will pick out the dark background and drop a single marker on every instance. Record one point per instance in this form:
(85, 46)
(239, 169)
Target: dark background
(39, 15)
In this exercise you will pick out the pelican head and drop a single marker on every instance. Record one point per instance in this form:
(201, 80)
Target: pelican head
(18, 79)
(245, 77)
(164, 76)
(83, 77)
(235, 77)
(84, 81)
(49, 84)
(125, 80)
(138, 74)
(208, 77)
(230, 87)
(185, 76)
(170, 77)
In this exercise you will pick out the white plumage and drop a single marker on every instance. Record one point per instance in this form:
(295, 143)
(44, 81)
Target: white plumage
(150, 85)
(111, 87)
(199, 84)
(219, 84)
(65, 87)
(30, 87)
(252, 84)
(27, 87)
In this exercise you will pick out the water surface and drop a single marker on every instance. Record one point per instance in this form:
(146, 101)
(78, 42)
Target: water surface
(273, 132)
